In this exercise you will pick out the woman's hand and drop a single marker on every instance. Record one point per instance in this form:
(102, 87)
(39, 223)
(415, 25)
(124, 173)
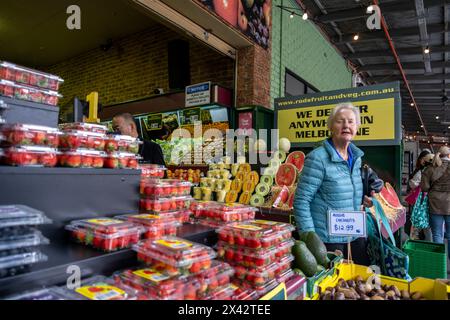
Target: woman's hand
(367, 203)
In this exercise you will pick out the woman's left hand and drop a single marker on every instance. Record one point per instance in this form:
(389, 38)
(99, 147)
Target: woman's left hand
(367, 203)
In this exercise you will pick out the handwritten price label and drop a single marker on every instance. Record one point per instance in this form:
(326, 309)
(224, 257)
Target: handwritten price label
(347, 223)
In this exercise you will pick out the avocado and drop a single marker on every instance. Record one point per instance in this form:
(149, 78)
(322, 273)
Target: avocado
(299, 272)
(320, 268)
(304, 259)
(317, 248)
(302, 236)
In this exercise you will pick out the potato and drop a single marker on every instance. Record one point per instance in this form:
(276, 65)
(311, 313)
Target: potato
(405, 294)
(351, 283)
(326, 296)
(377, 298)
(397, 292)
(339, 296)
(390, 293)
(417, 295)
(369, 287)
(361, 289)
(364, 297)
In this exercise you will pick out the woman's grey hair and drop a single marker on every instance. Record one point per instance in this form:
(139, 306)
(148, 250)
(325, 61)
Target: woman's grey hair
(444, 152)
(339, 108)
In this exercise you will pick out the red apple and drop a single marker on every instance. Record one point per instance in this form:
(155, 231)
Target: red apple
(242, 18)
(227, 9)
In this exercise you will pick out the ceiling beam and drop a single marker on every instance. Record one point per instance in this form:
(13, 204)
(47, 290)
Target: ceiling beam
(406, 66)
(401, 51)
(423, 32)
(352, 14)
(415, 77)
(395, 33)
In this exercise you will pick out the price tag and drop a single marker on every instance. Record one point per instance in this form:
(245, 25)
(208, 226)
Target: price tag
(347, 223)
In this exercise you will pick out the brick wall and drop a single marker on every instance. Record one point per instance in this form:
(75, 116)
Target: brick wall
(304, 51)
(135, 66)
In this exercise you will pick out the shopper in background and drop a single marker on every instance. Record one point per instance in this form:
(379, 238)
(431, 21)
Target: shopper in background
(331, 179)
(436, 181)
(425, 158)
(150, 151)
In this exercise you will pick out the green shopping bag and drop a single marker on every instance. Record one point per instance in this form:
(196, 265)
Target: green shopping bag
(383, 253)
(420, 213)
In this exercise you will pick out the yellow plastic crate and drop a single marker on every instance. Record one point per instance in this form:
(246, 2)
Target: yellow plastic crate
(431, 289)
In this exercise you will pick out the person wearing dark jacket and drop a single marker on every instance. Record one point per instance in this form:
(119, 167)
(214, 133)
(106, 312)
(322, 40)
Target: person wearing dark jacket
(436, 181)
(150, 151)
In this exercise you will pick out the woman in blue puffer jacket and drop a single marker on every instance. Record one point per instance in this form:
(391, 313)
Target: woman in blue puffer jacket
(331, 180)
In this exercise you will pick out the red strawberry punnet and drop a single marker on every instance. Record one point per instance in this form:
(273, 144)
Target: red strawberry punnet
(30, 156)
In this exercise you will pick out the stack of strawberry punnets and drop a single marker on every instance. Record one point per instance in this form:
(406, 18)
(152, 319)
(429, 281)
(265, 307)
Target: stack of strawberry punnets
(179, 270)
(154, 226)
(259, 251)
(28, 84)
(166, 198)
(216, 215)
(104, 233)
(122, 151)
(82, 145)
(29, 145)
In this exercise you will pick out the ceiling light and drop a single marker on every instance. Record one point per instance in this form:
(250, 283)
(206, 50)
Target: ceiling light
(369, 9)
(412, 104)
(292, 15)
(427, 50)
(421, 126)
(437, 117)
(356, 37)
(305, 16)
(449, 127)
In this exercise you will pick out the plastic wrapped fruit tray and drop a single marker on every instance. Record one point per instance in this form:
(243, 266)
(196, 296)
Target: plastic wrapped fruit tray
(253, 235)
(152, 171)
(227, 212)
(30, 156)
(25, 134)
(209, 223)
(122, 143)
(75, 139)
(243, 294)
(14, 72)
(23, 92)
(82, 158)
(17, 260)
(182, 216)
(222, 293)
(151, 283)
(121, 160)
(26, 239)
(154, 226)
(284, 264)
(157, 205)
(166, 187)
(175, 256)
(20, 216)
(197, 207)
(245, 257)
(105, 234)
(100, 288)
(262, 280)
(84, 126)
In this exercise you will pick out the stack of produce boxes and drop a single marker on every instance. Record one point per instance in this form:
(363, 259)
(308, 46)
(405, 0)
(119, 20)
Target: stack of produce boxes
(19, 239)
(28, 84)
(166, 198)
(122, 152)
(29, 145)
(216, 215)
(105, 234)
(178, 270)
(259, 251)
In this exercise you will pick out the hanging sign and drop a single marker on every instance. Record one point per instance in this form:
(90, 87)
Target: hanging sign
(347, 223)
(198, 94)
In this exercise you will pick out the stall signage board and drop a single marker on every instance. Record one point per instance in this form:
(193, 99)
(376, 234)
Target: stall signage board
(303, 119)
(190, 116)
(347, 223)
(154, 122)
(198, 94)
(245, 121)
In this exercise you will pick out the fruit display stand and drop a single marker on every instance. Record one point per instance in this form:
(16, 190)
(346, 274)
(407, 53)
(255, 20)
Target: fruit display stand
(66, 194)
(429, 289)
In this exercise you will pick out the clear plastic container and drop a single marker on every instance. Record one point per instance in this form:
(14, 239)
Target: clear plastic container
(151, 283)
(42, 294)
(100, 288)
(71, 140)
(284, 248)
(255, 278)
(121, 160)
(14, 72)
(30, 156)
(243, 294)
(23, 92)
(158, 205)
(82, 158)
(152, 171)
(20, 216)
(246, 257)
(254, 235)
(182, 216)
(20, 257)
(278, 226)
(209, 223)
(84, 126)
(175, 256)
(24, 240)
(284, 265)
(166, 187)
(227, 212)
(198, 207)
(222, 293)
(209, 281)
(105, 234)
(155, 226)
(122, 143)
(25, 134)
(285, 276)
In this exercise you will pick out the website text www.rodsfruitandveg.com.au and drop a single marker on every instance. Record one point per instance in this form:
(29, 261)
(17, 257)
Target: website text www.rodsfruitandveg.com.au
(350, 95)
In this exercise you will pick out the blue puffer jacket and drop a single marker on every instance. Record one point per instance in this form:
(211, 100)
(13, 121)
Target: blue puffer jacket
(327, 183)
